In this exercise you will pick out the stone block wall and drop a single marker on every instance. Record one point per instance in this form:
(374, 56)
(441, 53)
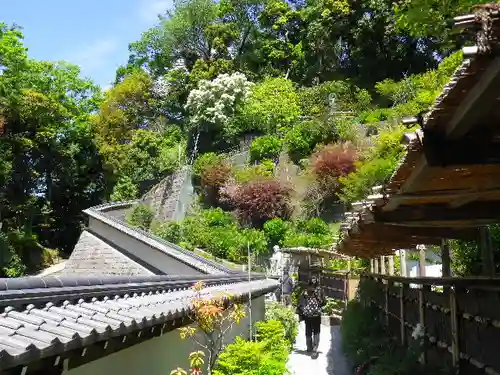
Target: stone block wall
(170, 198)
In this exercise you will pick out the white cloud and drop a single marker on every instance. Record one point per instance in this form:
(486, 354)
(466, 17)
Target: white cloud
(149, 9)
(93, 56)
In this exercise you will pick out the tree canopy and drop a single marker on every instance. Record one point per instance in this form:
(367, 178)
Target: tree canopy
(315, 89)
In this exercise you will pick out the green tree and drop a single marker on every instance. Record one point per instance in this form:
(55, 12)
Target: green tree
(50, 169)
(272, 106)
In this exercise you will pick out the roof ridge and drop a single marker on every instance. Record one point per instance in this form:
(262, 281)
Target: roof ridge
(178, 252)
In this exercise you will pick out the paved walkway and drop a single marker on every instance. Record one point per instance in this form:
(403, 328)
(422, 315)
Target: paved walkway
(331, 360)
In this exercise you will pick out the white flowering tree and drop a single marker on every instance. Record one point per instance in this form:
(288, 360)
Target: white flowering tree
(214, 103)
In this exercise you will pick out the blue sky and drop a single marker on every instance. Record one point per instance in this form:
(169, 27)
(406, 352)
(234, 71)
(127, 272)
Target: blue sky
(93, 34)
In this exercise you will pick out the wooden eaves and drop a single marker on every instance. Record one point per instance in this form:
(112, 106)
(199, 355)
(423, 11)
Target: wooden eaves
(448, 183)
(451, 173)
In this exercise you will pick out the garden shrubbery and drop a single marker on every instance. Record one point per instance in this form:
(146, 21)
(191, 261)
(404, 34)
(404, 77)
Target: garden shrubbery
(269, 353)
(261, 200)
(287, 317)
(266, 147)
(141, 216)
(220, 233)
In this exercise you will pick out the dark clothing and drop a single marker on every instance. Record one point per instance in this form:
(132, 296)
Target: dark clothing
(287, 299)
(313, 325)
(310, 302)
(287, 285)
(313, 328)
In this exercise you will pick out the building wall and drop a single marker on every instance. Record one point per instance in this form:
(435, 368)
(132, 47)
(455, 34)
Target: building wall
(160, 355)
(432, 268)
(140, 251)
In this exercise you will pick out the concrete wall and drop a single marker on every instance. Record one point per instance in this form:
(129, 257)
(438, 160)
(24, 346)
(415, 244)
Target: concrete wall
(140, 251)
(160, 355)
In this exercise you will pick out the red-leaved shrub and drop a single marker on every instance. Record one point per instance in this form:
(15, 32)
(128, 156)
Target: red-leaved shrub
(212, 180)
(261, 200)
(333, 161)
(330, 163)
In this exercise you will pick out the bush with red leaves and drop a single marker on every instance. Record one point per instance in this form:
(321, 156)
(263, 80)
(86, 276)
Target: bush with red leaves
(261, 200)
(212, 180)
(333, 161)
(330, 163)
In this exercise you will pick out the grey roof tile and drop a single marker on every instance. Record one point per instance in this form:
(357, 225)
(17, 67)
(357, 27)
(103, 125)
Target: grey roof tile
(34, 332)
(92, 257)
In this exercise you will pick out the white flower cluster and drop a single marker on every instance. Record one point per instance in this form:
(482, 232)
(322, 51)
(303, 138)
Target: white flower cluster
(418, 332)
(215, 101)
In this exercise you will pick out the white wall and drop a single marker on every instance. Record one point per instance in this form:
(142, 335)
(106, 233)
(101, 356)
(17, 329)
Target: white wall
(431, 269)
(140, 250)
(160, 355)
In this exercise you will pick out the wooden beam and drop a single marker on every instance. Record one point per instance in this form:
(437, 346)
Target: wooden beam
(441, 152)
(478, 212)
(418, 173)
(487, 252)
(445, 258)
(489, 190)
(477, 102)
(379, 230)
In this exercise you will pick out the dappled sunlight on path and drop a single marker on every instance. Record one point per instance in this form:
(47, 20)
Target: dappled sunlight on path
(330, 361)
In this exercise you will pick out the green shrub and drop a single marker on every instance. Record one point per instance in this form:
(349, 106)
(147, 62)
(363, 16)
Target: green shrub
(247, 173)
(272, 106)
(301, 140)
(286, 316)
(313, 233)
(275, 230)
(171, 231)
(216, 232)
(141, 216)
(124, 190)
(313, 226)
(266, 147)
(266, 356)
(205, 161)
(248, 357)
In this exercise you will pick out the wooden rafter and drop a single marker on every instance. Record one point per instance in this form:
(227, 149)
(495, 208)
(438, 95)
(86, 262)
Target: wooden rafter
(472, 214)
(478, 102)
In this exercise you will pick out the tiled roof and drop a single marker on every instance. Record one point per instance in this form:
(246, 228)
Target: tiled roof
(47, 317)
(94, 257)
(102, 213)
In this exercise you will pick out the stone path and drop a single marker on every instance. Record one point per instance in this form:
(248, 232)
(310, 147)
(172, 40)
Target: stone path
(331, 360)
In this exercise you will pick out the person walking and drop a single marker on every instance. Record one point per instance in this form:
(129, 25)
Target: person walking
(287, 286)
(310, 304)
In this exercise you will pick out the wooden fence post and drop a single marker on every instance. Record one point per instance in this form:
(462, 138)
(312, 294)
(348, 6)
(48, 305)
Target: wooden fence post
(386, 284)
(445, 258)
(402, 313)
(372, 265)
(486, 252)
(421, 307)
(455, 348)
(375, 263)
(382, 265)
(391, 265)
